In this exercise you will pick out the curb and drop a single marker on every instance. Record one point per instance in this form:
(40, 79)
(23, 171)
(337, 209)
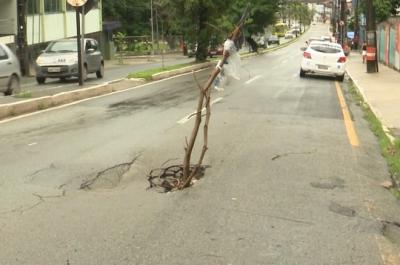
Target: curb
(42, 103)
(374, 111)
(180, 71)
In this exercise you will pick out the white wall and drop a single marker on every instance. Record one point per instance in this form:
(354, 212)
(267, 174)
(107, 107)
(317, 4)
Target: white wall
(8, 17)
(54, 27)
(59, 26)
(92, 22)
(33, 29)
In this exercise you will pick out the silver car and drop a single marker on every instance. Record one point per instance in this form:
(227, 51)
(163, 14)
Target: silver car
(60, 60)
(10, 73)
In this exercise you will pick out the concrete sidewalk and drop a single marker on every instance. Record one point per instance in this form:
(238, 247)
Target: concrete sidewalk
(380, 90)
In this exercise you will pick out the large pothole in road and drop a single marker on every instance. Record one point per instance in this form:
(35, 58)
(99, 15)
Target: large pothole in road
(108, 178)
(170, 178)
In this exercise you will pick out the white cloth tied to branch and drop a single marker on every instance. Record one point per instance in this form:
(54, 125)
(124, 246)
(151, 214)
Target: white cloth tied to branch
(232, 68)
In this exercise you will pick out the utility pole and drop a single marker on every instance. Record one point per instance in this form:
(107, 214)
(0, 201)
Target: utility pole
(22, 45)
(343, 23)
(356, 26)
(372, 59)
(152, 27)
(333, 17)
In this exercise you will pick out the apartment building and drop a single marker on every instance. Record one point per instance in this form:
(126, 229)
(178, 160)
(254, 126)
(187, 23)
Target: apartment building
(29, 24)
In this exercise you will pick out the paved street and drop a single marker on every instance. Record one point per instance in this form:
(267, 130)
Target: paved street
(287, 184)
(113, 71)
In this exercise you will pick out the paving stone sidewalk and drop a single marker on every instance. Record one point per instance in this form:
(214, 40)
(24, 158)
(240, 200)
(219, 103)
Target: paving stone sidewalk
(380, 90)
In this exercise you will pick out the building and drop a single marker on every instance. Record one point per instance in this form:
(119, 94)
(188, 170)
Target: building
(29, 25)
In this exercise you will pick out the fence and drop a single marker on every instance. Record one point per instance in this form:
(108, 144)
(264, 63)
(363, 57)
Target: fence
(142, 45)
(389, 42)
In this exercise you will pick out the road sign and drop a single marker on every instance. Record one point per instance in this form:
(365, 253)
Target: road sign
(76, 3)
(341, 23)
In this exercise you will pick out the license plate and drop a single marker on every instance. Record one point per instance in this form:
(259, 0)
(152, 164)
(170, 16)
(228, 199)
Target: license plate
(323, 67)
(54, 69)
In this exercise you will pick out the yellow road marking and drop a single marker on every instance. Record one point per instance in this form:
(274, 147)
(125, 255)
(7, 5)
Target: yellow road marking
(351, 131)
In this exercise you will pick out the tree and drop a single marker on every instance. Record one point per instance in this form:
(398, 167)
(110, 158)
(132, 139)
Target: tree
(134, 15)
(383, 8)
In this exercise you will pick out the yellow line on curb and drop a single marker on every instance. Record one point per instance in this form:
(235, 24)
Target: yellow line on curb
(351, 131)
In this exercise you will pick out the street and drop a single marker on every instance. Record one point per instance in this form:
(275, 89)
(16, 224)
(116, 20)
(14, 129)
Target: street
(286, 182)
(114, 71)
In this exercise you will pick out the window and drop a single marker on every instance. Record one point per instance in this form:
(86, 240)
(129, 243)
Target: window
(3, 54)
(52, 6)
(325, 48)
(33, 7)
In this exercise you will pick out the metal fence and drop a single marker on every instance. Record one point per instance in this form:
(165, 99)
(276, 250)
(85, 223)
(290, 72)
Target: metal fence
(142, 45)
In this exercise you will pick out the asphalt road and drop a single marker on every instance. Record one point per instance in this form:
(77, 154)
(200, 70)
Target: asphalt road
(285, 184)
(113, 71)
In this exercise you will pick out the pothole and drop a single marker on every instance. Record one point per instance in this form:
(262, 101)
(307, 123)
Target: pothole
(109, 178)
(342, 210)
(329, 184)
(170, 178)
(391, 230)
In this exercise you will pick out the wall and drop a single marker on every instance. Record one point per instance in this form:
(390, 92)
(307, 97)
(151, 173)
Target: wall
(49, 27)
(8, 17)
(389, 42)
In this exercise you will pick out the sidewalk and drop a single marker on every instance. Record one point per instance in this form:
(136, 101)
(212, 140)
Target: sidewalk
(380, 90)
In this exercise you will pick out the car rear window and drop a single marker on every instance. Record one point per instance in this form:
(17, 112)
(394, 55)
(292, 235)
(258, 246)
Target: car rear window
(325, 49)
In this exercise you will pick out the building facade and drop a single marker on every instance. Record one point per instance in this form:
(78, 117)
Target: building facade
(29, 24)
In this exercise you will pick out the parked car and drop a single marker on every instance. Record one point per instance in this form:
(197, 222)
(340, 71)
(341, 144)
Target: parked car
(219, 50)
(289, 35)
(324, 58)
(10, 73)
(273, 39)
(211, 51)
(60, 60)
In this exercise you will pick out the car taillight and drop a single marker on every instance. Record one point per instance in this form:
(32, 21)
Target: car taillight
(342, 60)
(307, 55)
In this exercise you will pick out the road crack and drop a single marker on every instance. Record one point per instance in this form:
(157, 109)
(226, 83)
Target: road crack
(278, 156)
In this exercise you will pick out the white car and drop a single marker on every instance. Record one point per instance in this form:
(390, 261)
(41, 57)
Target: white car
(60, 60)
(324, 58)
(10, 74)
(289, 35)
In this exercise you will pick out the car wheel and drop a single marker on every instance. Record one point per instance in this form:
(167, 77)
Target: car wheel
(13, 86)
(302, 73)
(40, 80)
(100, 72)
(340, 78)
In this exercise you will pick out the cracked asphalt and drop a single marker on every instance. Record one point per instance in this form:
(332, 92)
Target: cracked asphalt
(284, 185)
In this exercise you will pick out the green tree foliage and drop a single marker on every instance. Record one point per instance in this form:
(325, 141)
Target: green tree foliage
(201, 22)
(383, 8)
(134, 15)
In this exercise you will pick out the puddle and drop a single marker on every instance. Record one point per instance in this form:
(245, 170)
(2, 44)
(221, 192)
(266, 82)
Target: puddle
(342, 210)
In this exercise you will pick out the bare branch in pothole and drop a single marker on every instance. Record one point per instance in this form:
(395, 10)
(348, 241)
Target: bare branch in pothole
(171, 178)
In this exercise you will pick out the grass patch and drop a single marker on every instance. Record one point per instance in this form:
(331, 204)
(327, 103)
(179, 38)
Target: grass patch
(389, 149)
(24, 94)
(148, 74)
